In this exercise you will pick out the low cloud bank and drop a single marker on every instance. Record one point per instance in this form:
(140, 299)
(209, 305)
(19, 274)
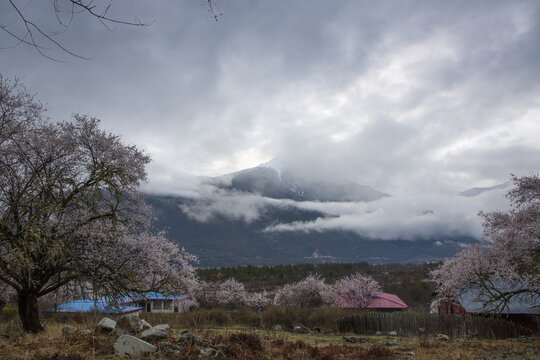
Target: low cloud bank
(396, 217)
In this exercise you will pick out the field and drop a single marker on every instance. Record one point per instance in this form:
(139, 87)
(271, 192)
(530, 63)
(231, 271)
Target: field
(243, 342)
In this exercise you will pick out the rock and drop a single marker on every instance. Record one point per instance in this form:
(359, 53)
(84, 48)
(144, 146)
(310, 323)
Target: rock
(184, 336)
(301, 329)
(170, 350)
(442, 337)
(422, 330)
(411, 353)
(392, 333)
(145, 324)
(378, 333)
(69, 330)
(128, 324)
(278, 328)
(199, 339)
(86, 332)
(106, 325)
(353, 339)
(130, 346)
(209, 352)
(156, 332)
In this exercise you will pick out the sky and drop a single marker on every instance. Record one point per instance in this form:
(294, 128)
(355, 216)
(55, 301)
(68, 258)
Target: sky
(410, 97)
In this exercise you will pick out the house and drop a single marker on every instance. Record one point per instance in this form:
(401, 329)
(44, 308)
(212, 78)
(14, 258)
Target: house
(521, 309)
(379, 301)
(158, 303)
(139, 302)
(385, 301)
(100, 305)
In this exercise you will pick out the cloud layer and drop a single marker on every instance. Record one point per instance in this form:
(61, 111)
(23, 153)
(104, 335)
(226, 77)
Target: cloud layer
(409, 217)
(410, 97)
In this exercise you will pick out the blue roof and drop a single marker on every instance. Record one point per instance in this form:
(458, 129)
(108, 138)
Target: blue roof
(474, 301)
(90, 306)
(151, 295)
(106, 305)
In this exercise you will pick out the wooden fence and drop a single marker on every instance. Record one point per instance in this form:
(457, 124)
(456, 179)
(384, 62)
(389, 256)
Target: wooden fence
(413, 323)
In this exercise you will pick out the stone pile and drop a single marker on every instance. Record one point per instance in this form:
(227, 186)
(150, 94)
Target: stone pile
(138, 339)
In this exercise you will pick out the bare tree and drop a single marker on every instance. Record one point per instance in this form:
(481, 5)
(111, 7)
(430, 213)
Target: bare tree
(71, 210)
(25, 28)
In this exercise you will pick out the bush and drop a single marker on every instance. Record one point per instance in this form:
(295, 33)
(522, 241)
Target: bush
(325, 317)
(219, 317)
(247, 317)
(273, 316)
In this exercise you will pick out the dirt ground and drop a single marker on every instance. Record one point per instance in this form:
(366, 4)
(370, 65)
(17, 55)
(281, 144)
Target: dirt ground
(243, 343)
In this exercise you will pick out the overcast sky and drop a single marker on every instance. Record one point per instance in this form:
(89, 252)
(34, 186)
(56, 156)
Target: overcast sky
(405, 96)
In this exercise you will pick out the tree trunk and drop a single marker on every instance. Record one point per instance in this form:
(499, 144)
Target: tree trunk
(29, 312)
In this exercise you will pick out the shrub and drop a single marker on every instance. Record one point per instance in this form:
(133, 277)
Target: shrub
(247, 317)
(273, 316)
(325, 317)
(219, 317)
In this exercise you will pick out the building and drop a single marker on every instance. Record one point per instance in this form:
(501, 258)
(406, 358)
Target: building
(381, 301)
(385, 301)
(159, 303)
(521, 309)
(100, 305)
(139, 302)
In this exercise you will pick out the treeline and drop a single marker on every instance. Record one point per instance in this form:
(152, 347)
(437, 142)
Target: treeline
(408, 281)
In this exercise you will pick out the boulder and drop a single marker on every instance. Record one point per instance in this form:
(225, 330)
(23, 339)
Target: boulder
(106, 325)
(145, 324)
(69, 330)
(354, 339)
(170, 350)
(86, 332)
(301, 329)
(392, 333)
(209, 352)
(128, 324)
(157, 332)
(442, 337)
(130, 346)
(199, 340)
(184, 336)
(278, 328)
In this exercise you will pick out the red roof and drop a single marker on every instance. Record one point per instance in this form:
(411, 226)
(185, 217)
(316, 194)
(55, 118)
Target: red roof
(382, 300)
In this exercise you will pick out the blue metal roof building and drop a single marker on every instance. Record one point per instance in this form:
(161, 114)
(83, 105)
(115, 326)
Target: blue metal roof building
(93, 306)
(149, 302)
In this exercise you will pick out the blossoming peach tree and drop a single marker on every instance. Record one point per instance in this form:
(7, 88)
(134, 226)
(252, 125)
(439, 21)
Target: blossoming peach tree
(71, 210)
(506, 267)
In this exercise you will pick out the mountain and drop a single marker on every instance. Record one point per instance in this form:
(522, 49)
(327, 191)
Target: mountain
(480, 190)
(211, 226)
(226, 242)
(276, 183)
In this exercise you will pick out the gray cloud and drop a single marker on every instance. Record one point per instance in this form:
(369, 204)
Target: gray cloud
(407, 217)
(411, 97)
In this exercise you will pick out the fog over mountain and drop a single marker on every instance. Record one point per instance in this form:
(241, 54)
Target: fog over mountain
(267, 214)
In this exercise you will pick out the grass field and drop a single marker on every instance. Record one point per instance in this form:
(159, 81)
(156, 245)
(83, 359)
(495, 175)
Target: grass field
(250, 343)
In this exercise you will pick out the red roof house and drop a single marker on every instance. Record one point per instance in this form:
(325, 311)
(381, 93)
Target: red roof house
(385, 301)
(377, 301)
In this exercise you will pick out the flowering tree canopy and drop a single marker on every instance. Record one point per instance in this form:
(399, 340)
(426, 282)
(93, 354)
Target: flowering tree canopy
(355, 290)
(509, 265)
(308, 293)
(231, 292)
(259, 300)
(70, 210)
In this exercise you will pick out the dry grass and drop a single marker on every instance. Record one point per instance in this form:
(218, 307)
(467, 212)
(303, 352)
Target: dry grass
(255, 344)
